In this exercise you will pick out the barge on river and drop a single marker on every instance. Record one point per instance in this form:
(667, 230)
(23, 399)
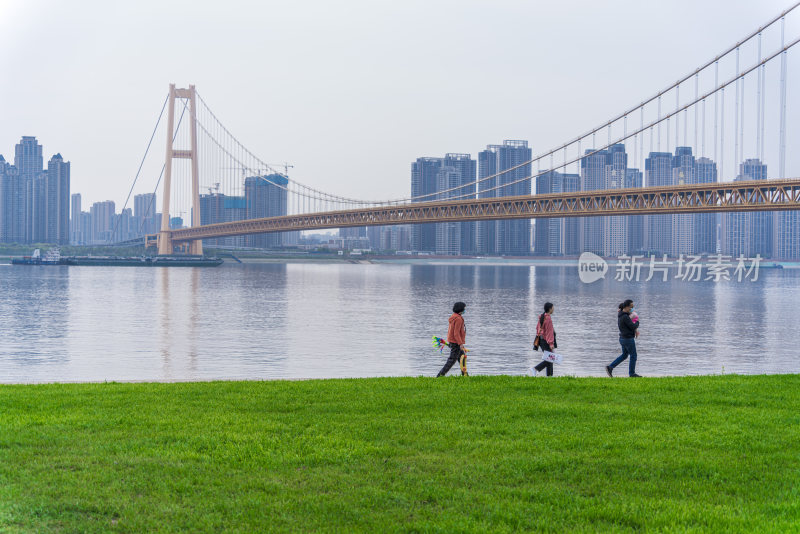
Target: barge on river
(145, 261)
(53, 257)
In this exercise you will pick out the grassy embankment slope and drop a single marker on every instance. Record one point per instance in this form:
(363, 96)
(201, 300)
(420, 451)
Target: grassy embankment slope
(499, 453)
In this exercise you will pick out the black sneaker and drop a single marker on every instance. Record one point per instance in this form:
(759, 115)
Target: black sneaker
(634, 375)
(608, 370)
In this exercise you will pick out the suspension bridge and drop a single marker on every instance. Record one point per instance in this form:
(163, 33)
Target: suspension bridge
(731, 108)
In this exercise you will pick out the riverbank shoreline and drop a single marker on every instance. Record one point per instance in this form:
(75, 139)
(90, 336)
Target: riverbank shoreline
(477, 261)
(469, 454)
(513, 261)
(365, 378)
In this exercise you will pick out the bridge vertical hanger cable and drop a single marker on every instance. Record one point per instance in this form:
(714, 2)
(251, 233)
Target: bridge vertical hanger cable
(759, 110)
(716, 108)
(677, 117)
(641, 134)
(703, 137)
(659, 123)
(763, 108)
(696, 109)
(636, 152)
(686, 127)
(668, 136)
(625, 143)
(736, 115)
(741, 128)
(782, 111)
(721, 170)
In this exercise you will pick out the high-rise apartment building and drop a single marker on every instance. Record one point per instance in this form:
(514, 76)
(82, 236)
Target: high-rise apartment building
(75, 237)
(495, 164)
(124, 226)
(786, 235)
(450, 177)
(211, 212)
(353, 231)
(683, 172)
(86, 228)
(424, 174)
(705, 224)
(658, 228)
(218, 208)
(593, 176)
(748, 233)
(466, 169)
(615, 228)
(390, 238)
(28, 157)
(374, 236)
(613, 235)
(556, 236)
(56, 205)
(8, 174)
(604, 169)
(102, 214)
(266, 196)
(145, 213)
(28, 161)
(34, 201)
(634, 179)
(448, 234)
(234, 208)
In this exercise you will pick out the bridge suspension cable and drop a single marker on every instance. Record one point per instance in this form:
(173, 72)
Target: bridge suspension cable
(305, 198)
(698, 99)
(641, 107)
(139, 170)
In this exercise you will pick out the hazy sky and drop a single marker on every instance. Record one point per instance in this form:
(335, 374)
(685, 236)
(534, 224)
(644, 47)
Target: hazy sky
(349, 92)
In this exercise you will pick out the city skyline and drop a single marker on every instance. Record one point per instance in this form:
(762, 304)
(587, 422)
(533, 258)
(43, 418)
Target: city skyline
(382, 111)
(35, 207)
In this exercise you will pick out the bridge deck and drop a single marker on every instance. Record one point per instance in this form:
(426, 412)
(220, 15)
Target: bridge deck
(758, 195)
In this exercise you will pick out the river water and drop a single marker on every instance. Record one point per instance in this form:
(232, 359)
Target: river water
(330, 320)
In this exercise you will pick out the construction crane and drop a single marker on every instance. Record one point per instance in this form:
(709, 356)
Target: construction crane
(285, 166)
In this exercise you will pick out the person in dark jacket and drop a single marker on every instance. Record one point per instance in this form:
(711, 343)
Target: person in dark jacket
(628, 332)
(547, 337)
(456, 337)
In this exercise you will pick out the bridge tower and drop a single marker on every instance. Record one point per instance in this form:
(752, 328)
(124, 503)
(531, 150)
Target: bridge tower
(165, 245)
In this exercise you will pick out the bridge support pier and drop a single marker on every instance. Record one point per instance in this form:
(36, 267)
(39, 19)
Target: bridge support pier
(164, 243)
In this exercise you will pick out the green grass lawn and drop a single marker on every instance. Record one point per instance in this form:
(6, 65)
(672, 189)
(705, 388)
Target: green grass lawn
(476, 454)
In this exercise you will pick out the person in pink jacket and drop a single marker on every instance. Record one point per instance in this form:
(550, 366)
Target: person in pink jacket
(547, 337)
(456, 337)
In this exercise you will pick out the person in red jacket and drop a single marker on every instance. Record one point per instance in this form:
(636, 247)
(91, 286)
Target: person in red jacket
(456, 337)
